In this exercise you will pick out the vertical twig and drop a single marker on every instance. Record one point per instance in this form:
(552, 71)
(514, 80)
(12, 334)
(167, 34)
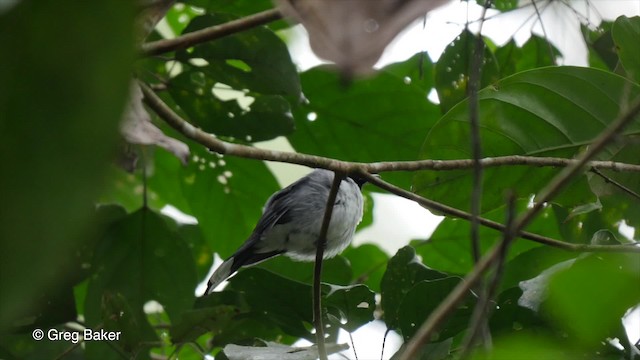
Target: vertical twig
(475, 78)
(483, 308)
(552, 55)
(317, 273)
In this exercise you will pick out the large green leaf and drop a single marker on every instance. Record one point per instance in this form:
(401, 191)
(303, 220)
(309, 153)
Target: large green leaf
(368, 263)
(545, 112)
(349, 307)
(234, 86)
(139, 259)
(374, 119)
(625, 33)
(420, 302)
(287, 303)
(588, 299)
(64, 71)
(225, 194)
(404, 270)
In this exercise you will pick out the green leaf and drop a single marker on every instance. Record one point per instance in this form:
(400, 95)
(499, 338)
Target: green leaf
(422, 299)
(531, 263)
(385, 114)
(617, 203)
(508, 317)
(200, 250)
(234, 86)
(552, 111)
(193, 323)
(602, 50)
(334, 271)
(625, 33)
(453, 69)
(404, 270)
(226, 195)
(537, 52)
(349, 306)
(589, 299)
(507, 58)
(527, 346)
(449, 247)
(139, 259)
(64, 85)
(286, 303)
(368, 263)
(266, 65)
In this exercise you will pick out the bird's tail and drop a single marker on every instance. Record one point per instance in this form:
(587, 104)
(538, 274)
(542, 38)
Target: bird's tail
(221, 274)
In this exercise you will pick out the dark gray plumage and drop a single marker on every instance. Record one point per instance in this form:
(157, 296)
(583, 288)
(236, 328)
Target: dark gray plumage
(291, 221)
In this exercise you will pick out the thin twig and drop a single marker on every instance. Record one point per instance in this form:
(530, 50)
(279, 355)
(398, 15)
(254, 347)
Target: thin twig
(210, 33)
(475, 73)
(317, 273)
(483, 308)
(552, 55)
(615, 183)
(226, 148)
(475, 76)
(457, 213)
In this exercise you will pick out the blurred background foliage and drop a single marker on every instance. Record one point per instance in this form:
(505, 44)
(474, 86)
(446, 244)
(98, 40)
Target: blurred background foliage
(84, 243)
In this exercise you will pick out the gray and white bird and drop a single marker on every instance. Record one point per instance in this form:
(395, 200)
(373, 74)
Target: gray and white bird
(291, 221)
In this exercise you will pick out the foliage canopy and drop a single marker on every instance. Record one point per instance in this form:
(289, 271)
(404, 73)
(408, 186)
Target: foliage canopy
(66, 262)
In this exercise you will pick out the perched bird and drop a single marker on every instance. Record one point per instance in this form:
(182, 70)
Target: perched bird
(291, 221)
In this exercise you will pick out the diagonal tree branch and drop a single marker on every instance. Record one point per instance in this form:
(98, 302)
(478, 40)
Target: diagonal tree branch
(615, 183)
(210, 33)
(453, 212)
(222, 147)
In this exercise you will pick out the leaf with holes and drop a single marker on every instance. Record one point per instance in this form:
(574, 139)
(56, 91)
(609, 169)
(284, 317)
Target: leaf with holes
(226, 195)
(454, 68)
(234, 86)
(553, 111)
(349, 307)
